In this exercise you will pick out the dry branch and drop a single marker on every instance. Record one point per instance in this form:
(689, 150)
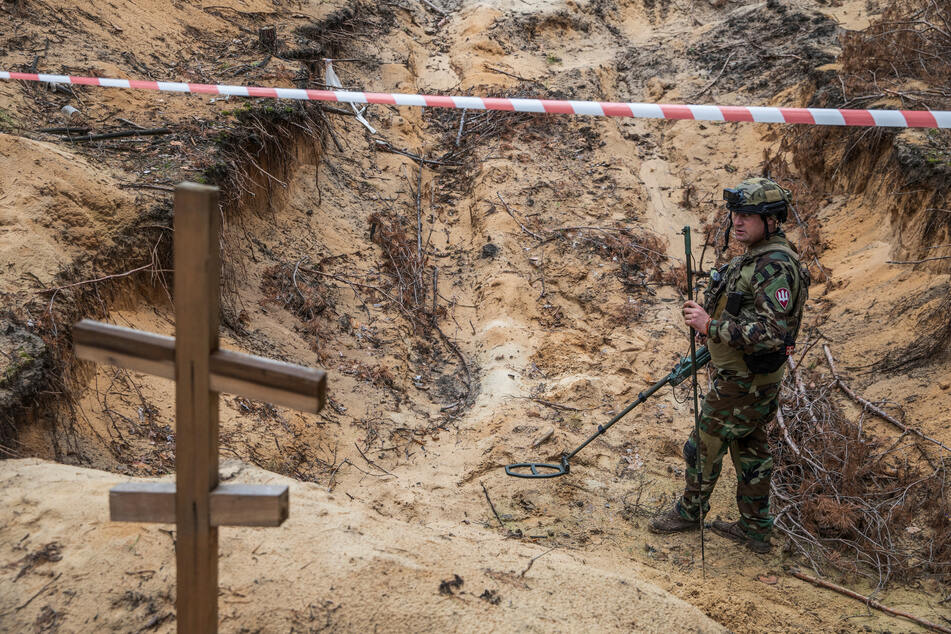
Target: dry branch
(940, 257)
(782, 425)
(872, 408)
(116, 135)
(532, 561)
(492, 506)
(872, 603)
(519, 222)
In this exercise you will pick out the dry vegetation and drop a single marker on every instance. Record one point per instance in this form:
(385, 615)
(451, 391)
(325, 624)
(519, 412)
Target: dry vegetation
(862, 504)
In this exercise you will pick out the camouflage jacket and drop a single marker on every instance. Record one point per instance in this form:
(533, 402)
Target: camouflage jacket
(757, 307)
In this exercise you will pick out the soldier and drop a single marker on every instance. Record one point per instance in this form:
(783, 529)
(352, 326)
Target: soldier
(750, 320)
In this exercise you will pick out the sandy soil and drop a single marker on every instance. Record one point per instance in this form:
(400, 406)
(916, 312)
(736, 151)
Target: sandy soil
(389, 484)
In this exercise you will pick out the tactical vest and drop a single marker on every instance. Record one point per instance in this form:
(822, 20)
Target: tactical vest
(736, 281)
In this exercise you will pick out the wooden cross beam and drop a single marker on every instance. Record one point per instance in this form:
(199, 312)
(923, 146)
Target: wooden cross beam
(197, 503)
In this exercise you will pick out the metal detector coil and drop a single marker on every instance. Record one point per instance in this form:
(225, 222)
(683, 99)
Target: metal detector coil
(538, 469)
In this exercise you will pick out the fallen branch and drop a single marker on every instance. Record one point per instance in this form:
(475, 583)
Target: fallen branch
(434, 7)
(872, 408)
(715, 79)
(512, 75)
(524, 228)
(161, 188)
(940, 257)
(872, 603)
(782, 425)
(492, 506)
(116, 135)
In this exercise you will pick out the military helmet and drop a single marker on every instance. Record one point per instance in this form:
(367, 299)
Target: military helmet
(760, 196)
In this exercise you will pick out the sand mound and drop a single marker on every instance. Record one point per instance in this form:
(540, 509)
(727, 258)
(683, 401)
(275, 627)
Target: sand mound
(331, 565)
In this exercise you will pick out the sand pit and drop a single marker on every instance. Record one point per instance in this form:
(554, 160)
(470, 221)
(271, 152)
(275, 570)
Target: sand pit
(552, 245)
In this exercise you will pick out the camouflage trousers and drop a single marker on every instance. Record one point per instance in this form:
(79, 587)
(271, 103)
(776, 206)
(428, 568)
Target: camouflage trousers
(733, 416)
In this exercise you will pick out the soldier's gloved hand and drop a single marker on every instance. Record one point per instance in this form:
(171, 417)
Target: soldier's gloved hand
(696, 317)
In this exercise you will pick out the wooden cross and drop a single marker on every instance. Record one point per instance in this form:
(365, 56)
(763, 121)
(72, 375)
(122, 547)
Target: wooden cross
(196, 503)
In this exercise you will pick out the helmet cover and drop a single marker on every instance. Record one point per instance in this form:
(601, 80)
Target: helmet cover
(760, 196)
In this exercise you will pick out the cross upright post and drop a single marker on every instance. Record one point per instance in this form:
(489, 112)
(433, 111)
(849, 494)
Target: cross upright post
(197, 503)
(197, 267)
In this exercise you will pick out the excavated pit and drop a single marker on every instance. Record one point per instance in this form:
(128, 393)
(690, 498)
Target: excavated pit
(495, 306)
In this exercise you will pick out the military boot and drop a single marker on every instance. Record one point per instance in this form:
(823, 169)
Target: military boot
(733, 530)
(672, 522)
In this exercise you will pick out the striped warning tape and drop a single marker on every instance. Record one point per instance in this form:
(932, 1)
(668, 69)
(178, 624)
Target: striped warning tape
(758, 114)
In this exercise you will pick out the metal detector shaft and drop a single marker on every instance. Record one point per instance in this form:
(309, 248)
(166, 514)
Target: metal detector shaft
(643, 396)
(681, 371)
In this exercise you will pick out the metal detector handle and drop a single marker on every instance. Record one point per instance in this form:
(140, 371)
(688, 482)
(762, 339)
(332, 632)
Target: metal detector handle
(643, 396)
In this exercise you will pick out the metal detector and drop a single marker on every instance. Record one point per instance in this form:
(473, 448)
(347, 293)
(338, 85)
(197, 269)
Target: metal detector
(681, 371)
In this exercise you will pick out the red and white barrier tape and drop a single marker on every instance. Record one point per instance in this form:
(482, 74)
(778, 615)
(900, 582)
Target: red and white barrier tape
(809, 116)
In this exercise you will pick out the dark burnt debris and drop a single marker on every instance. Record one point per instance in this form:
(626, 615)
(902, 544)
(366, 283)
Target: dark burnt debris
(758, 50)
(22, 364)
(765, 49)
(331, 36)
(449, 586)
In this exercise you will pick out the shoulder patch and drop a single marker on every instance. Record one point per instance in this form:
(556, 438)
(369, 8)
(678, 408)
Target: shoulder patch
(782, 296)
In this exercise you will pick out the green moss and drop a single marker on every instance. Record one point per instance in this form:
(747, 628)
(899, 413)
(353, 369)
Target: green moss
(7, 122)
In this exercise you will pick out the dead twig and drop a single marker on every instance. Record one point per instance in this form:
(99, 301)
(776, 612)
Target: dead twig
(872, 408)
(512, 75)
(532, 561)
(940, 257)
(557, 405)
(715, 79)
(294, 277)
(131, 124)
(462, 123)
(329, 128)
(115, 135)
(161, 188)
(492, 506)
(801, 392)
(38, 593)
(524, 228)
(434, 7)
(872, 603)
(371, 463)
(98, 279)
(782, 425)
(384, 146)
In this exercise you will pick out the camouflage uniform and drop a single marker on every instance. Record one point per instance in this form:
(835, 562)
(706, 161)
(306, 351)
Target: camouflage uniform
(756, 313)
